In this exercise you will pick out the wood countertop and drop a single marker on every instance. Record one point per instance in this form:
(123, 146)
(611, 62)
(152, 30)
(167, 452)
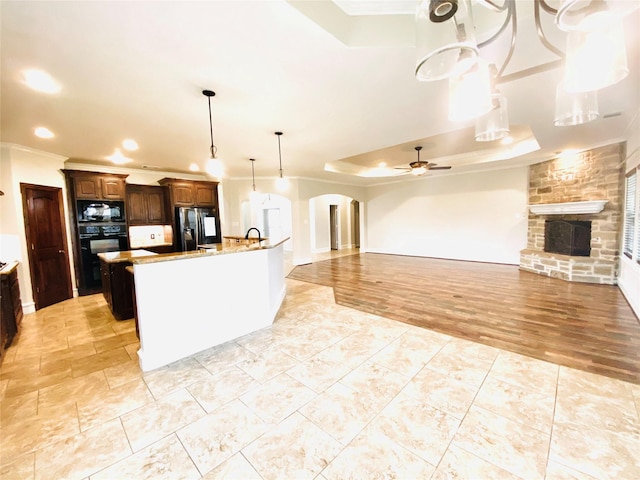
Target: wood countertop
(125, 256)
(208, 250)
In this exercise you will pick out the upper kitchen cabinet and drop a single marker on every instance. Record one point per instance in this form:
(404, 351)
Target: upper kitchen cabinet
(146, 205)
(206, 194)
(188, 193)
(97, 186)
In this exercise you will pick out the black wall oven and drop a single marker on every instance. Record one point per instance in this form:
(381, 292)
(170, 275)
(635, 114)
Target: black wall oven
(97, 238)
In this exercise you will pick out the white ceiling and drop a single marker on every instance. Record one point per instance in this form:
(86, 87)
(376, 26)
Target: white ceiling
(340, 86)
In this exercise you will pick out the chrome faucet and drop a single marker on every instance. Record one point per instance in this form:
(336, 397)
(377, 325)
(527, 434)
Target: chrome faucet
(253, 228)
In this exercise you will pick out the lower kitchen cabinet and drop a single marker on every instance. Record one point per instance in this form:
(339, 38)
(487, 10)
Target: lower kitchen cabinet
(117, 288)
(11, 306)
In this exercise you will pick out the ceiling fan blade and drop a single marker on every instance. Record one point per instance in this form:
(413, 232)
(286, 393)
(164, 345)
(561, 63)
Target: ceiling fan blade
(440, 168)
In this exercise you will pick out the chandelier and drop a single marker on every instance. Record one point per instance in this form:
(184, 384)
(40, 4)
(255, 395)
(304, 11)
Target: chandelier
(594, 57)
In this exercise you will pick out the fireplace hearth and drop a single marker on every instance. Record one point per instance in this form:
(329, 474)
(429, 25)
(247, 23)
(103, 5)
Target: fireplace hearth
(568, 237)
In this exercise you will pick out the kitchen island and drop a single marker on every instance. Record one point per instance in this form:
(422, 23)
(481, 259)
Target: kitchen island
(190, 301)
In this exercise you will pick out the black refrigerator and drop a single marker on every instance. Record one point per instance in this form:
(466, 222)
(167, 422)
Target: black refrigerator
(196, 226)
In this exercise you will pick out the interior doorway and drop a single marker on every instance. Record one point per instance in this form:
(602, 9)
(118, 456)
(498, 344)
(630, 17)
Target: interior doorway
(355, 223)
(334, 220)
(46, 244)
(272, 223)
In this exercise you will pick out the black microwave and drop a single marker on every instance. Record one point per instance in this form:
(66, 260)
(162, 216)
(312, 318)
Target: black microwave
(101, 211)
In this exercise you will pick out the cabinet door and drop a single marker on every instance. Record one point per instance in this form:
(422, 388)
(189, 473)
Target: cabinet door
(155, 206)
(205, 195)
(121, 294)
(112, 188)
(88, 186)
(136, 206)
(183, 194)
(105, 274)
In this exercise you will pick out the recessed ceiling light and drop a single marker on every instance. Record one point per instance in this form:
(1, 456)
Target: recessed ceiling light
(569, 152)
(130, 144)
(41, 81)
(194, 167)
(118, 157)
(43, 132)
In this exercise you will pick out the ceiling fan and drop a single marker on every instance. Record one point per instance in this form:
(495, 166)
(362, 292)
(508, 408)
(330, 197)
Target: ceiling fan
(420, 168)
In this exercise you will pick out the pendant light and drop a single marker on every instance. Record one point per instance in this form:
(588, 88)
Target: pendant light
(282, 183)
(589, 15)
(595, 59)
(445, 39)
(215, 167)
(470, 93)
(575, 108)
(253, 175)
(494, 125)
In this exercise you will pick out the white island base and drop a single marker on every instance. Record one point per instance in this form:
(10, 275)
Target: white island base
(189, 302)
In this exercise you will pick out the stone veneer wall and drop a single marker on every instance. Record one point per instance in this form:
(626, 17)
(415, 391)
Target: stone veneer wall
(593, 175)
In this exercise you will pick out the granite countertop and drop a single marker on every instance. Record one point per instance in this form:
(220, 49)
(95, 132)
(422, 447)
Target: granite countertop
(9, 268)
(242, 237)
(126, 256)
(209, 250)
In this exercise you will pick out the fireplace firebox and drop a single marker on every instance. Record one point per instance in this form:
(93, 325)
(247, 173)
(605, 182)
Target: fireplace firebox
(567, 237)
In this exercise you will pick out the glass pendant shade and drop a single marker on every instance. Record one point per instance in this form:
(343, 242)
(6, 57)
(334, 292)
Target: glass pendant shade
(445, 39)
(470, 94)
(575, 108)
(589, 15)
(282, 184)
(215, 167)
(495, 124)
(596, 59)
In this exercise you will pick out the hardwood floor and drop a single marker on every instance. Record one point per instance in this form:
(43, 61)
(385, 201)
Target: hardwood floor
(584, 326)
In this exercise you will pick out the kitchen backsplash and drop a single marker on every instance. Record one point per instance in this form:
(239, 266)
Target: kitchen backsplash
(150, 235)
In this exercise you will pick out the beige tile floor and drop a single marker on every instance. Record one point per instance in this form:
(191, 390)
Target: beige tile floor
(326, 392)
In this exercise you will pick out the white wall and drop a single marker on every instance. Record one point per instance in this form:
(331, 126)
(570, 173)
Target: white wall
(320, 222)
(301, 190)
(476, 216)
(629, 271)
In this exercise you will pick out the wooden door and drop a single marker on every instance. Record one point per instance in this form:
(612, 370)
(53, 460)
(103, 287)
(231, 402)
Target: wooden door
(46, 242)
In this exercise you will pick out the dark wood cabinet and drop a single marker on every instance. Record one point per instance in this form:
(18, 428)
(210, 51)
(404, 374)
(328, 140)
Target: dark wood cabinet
(117, 288)
(190, 193)
(206, 194)
(83, 186)
(97, 186)
(146, 205)
(105, 275)
(181, 192)
(11, 306)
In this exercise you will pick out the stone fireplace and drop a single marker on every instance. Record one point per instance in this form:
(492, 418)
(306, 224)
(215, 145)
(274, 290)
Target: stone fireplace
(575, 194)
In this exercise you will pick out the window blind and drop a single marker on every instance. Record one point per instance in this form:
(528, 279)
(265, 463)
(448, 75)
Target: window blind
(629, 214)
